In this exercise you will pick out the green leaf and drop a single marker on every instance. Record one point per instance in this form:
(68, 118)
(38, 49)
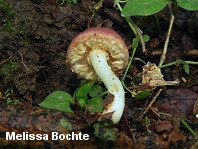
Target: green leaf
(58, 100)
(135, 42)
(146, 38)
(82, 102)
(105, 131)
(74, 1)
(94, 105)
(66, 125)
(95, 90)
(186, 68)
(142, 94)
(143, 7)
(188, 4)
(82, 92)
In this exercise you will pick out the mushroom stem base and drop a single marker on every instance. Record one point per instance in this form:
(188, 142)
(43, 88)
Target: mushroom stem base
(106, 75)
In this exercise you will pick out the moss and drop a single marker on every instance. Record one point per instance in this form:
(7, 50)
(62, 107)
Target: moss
(6, 16)
(7, 68)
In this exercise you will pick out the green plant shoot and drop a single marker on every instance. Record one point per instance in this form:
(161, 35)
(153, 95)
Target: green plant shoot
(88, 96)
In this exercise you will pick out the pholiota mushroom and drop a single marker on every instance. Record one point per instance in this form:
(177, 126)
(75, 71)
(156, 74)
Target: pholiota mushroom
(101, 54)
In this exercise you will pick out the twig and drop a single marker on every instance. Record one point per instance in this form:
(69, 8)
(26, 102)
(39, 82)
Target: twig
(139, 32)
(151, 103)
(22, 60)
(5, 61)
(192, 52)
(172, 18)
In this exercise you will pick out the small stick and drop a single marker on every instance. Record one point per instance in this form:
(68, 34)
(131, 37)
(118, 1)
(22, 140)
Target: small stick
(151, 103)
(22, 60)
(5, 61)
(139, 32)
(172, 18)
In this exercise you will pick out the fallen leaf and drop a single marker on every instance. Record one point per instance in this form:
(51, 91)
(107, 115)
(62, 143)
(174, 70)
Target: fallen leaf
(152, 77)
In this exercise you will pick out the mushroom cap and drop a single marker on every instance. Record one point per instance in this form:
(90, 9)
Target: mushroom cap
(103, 39)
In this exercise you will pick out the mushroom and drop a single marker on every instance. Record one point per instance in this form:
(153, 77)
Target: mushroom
(101, 54)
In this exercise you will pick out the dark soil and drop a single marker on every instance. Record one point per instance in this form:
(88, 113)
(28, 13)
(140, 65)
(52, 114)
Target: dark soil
(42, 32)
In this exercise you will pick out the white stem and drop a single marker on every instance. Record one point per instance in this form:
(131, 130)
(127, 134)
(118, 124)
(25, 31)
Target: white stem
(99, 61)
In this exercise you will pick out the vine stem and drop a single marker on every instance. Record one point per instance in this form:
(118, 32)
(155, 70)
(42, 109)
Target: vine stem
(178, 62)
(127, 19)
(133, 53)
(137, 32)
(126, 71)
